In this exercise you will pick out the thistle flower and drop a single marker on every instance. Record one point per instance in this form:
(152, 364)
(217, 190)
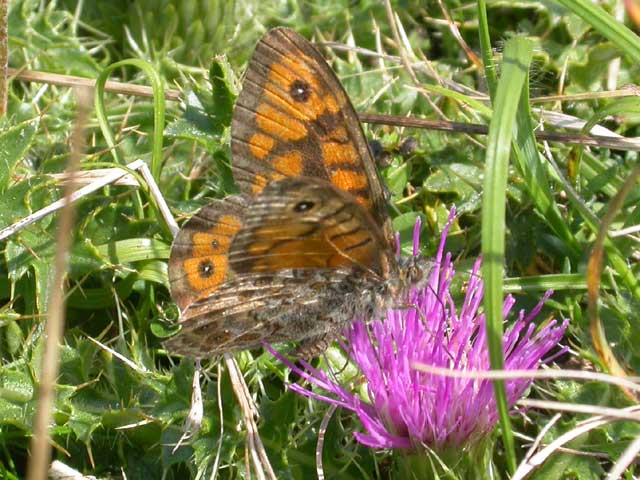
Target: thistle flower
(409, 409)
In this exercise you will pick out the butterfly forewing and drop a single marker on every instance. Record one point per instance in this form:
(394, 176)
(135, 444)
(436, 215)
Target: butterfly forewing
(293, 118)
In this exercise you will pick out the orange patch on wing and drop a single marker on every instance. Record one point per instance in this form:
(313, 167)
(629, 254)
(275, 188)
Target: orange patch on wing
(350, 241)
(283, 76)
(207, 266)
(296, 111)
(364, 201)
(348, 179)
(289, 164)
(306, 253)
(289, 69)
(346, 241)
(339, 153)
(277, 176)
(276, 123)
(363, 255)
(334, 101)
(261, 145)
(338, 134)
(289, 245)
(216, 240)
(259, 182)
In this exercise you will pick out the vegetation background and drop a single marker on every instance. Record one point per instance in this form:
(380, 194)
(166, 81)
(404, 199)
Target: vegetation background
(114, 419)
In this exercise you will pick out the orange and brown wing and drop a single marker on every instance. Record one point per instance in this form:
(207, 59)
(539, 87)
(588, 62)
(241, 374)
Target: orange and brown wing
(198, 263)
(227, 318)
(293, 118)
(251, 308)
(307, 223)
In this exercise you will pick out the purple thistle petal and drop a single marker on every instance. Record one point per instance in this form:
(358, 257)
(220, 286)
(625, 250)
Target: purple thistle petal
(416, 236)
(409, 409)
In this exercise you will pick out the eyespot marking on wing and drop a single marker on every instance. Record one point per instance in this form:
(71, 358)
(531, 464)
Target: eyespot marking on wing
(300, 91)
(291, 95)
(207, 266)
(299, 80)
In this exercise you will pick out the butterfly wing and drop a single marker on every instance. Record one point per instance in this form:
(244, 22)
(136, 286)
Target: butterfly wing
(293, 118)
(248, 309)
(198, 262)
(304, 223)
(282, 267)
(301, 249)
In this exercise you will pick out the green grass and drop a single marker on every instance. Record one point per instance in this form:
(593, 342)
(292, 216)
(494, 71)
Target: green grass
(514, 207)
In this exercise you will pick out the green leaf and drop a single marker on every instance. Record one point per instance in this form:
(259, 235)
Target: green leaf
(403, 224)
(134, 250)
(534, 172)
(13, 335)
(618, 107)
(34, 247)
(14, 143)
(627, 42)
(94, 298)
(83, 424)
(222, 93)
(16, 397)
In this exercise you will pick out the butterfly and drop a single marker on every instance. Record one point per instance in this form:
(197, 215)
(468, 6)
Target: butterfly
(308, 243)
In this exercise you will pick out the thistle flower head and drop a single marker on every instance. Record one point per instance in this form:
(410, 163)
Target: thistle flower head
(407, 408)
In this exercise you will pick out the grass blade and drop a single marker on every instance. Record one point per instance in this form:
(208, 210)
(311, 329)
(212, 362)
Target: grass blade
(515, 65)
(623, 38)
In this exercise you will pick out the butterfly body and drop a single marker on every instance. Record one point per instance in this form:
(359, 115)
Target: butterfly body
(308, 244)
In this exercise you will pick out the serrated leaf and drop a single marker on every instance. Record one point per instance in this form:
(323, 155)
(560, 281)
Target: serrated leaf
(222, 92)
(14, 143)
(83, 423)
(207, 113)
(33, 247)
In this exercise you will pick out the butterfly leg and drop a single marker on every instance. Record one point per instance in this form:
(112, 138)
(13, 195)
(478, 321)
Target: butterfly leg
(314, 346)
(412, 306)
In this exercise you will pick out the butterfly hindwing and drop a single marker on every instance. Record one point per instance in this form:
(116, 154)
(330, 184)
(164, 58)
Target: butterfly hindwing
(288, 305)
(198, 263)
(306, 223)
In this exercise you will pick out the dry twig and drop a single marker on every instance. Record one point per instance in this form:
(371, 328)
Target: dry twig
(40, 448)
